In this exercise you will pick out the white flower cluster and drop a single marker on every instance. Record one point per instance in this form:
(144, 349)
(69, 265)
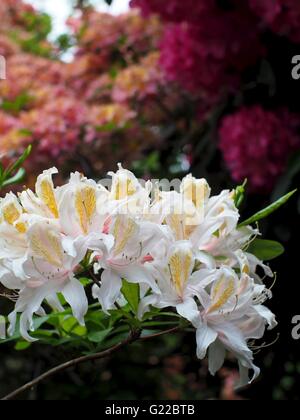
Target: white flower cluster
(183, 248)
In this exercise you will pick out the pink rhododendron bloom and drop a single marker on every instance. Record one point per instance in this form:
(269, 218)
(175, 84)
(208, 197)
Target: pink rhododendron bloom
(283, 16)
(211, 54)
(56, 127)
(256, 144)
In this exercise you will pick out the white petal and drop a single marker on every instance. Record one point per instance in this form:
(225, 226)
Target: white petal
(109, 291)
(189, 310)
(267, 315)
(205, 336)
(206, 259)
(138, 274)
(54, 302)
(74, 294)
(244, 379)
(145, 303)
(29, 302)
(216, 357)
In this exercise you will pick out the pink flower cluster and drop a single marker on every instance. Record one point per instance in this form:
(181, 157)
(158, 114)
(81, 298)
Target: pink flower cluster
(56, 127)
(204, 47)
(211, 54)
(105, 41)
(12, 12)
(257, 143)
(98, 99)
(283, 16)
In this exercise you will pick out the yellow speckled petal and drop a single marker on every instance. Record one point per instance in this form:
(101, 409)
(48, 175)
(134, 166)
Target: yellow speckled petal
(85, 205)
(46, 244)
(181, 265)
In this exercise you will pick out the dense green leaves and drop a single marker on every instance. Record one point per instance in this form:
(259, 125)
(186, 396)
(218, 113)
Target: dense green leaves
(99, 336)
(265, 250)
(268, 210)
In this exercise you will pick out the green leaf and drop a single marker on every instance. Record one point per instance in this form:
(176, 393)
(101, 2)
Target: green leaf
(98, 336)
(15, 166)
(131, 292)
(17, 105)
(268, 210)
(16, 179)
(71, 327)
(85, 281)
(22, 345)
(265, 250)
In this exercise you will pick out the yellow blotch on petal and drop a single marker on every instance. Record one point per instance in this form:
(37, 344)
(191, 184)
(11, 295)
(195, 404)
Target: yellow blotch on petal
(47, 245)
(47, 195)
(195, 190)
(85, 204)
(124, 188)
(11, 214)
(123, 231)
(180, 265)
(175, 222)
(222, 292)
(21, 227)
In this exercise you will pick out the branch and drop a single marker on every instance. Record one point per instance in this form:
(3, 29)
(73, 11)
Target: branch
(134, 336)
(71, 363)
(171, 330)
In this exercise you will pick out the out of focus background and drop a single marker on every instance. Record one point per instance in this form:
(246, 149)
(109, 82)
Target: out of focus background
(167, 88)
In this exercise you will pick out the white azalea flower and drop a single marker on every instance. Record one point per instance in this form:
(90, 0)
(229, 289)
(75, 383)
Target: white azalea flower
(184, 249)
(44, 202)
(127, 194)
(127, 258)
(230, 317)
(50, 267)
(78, 206)
(178, 282)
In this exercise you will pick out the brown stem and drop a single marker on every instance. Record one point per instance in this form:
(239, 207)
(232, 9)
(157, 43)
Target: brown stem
(71, 363)
(134, 336)
(171, 330)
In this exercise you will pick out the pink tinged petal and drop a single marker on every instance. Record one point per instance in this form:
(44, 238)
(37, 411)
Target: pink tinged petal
(205, 336)
(74, 294)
